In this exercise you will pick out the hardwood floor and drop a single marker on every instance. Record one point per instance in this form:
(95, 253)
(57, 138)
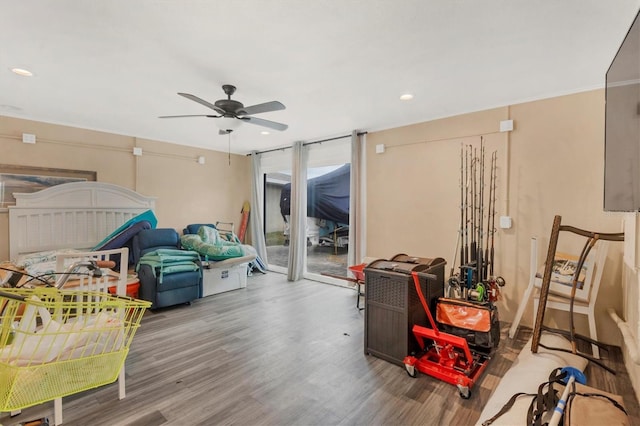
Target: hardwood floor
(281, 353)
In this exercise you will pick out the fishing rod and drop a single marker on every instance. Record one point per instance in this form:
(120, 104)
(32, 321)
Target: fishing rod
(474, 203)
(459, 245)
(492, 194)
(494, 167)
(466, 206)
(462, 208)
(480, 265)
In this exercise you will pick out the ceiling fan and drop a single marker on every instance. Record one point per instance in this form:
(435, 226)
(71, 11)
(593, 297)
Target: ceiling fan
(232, 113)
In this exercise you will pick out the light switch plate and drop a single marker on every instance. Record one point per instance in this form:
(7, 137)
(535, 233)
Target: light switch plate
(506, 125)
(505, 222)
(28, 138)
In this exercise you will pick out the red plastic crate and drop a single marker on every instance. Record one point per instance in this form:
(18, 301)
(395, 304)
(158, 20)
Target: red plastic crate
(132, 289)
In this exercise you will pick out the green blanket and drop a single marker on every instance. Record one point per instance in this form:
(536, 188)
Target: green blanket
(168, 261)
(212, 246)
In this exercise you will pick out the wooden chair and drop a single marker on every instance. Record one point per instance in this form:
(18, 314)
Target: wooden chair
(559, 294)
(588, 287)
(559, 297)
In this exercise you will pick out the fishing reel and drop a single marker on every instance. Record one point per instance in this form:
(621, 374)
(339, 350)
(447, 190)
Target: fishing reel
(458, 290)
(494, 284)
(454, 289)
(486, 291)
(478, 293)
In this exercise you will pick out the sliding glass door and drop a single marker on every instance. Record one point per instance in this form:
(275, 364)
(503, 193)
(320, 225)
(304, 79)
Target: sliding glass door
(276, 168)
(328, 193)
(327, 180)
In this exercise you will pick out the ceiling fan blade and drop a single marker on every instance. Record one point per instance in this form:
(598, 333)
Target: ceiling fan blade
(260, 108)
(266, 123)
(203, 102)
(191, 115)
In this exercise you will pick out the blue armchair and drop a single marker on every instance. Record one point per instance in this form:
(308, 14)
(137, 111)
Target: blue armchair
(169, 288)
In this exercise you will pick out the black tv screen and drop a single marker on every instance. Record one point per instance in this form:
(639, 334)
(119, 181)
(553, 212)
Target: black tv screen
(622, 126)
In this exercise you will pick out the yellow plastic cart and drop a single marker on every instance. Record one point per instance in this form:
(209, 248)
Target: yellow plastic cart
(55, 343)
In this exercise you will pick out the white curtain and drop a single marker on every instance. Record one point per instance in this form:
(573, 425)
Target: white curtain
(298, 225)
(357, 242)
(257, 204)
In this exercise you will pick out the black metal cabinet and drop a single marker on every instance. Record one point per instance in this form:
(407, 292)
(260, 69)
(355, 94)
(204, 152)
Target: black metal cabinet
(392, 305)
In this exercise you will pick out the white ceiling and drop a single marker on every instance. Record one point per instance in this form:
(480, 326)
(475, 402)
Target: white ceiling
(337, 65)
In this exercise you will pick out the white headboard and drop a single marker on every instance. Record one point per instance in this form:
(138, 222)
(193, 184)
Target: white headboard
(72, 215)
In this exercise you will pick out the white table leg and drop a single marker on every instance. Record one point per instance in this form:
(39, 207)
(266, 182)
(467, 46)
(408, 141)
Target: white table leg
(533, 265)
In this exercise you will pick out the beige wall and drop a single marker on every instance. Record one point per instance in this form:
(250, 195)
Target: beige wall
(550, 164)
(186, 191)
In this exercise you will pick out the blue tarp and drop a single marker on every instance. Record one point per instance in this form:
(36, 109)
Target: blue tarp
(327, 196)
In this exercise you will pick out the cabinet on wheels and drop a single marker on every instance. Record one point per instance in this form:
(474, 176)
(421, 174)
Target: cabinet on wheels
(392, 305)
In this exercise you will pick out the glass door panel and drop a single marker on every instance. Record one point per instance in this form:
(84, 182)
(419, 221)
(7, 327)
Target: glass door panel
(276, 168)
(328, 194)
(276, 221)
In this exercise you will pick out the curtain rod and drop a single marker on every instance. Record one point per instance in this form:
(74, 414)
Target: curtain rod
(308, 143)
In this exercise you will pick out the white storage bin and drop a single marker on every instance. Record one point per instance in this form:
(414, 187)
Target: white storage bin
(218, 280)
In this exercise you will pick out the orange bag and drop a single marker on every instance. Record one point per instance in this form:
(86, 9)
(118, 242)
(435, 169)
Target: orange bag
(460, 313)
(478, 323)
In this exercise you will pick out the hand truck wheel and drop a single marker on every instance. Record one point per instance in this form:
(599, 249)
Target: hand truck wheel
(411, 370)
(464, 391)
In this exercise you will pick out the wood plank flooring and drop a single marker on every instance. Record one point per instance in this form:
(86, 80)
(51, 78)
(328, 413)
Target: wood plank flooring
(281, 353)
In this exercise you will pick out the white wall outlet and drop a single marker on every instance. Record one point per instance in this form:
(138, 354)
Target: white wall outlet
(506, 125)
(505, 222)
(28, 138)
(380, 148)
(137, 151)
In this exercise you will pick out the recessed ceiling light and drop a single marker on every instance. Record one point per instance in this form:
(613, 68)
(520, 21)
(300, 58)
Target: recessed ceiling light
(406, 97)
(22, 72)
(264, 132)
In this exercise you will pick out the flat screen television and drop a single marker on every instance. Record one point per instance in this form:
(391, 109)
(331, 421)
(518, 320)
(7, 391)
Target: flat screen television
(622, 126)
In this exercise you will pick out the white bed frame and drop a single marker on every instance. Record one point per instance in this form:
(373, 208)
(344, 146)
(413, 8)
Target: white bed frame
(72, 215)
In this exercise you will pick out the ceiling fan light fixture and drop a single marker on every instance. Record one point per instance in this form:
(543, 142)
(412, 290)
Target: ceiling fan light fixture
(228, 123)
(264, 132)
(231, 113)
(406, 97)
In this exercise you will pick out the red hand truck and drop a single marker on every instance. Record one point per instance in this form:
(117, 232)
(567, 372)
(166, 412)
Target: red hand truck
(448, 358)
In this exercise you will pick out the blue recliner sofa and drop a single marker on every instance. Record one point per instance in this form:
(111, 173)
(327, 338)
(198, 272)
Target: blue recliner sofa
(171, 285)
